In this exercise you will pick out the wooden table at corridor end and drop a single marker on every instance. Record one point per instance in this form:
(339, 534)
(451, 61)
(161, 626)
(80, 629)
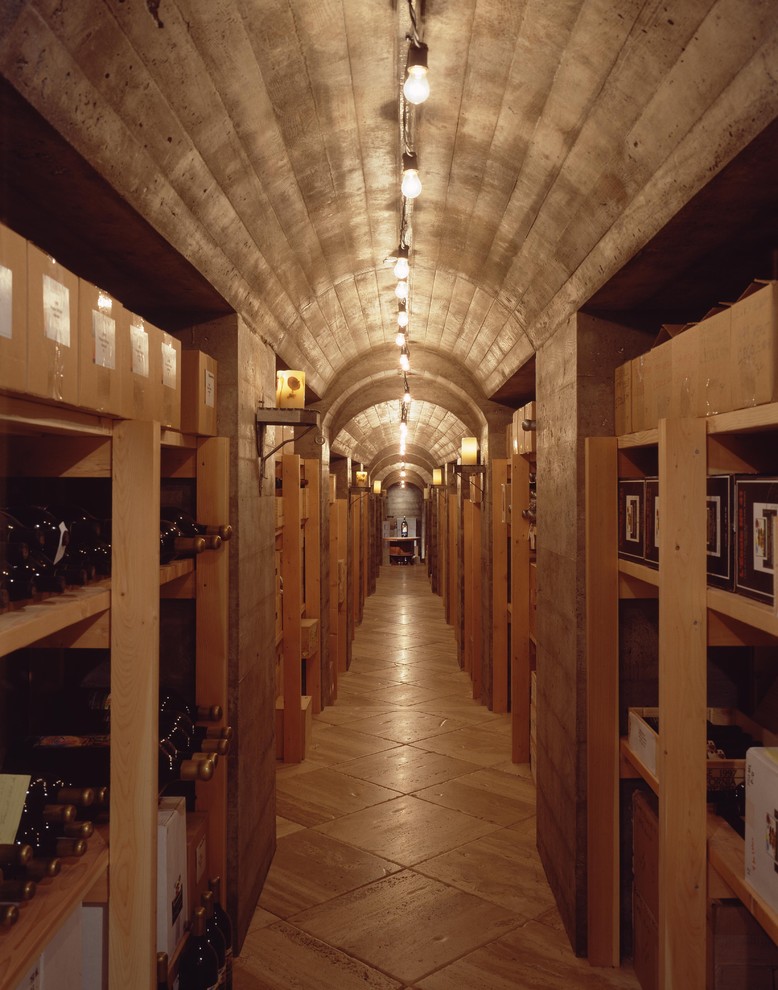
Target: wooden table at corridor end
(399, 550)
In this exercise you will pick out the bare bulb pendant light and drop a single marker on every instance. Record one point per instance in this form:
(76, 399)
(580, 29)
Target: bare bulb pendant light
(402, 316)
(416, 88)
(405, 359)
(411, 183)
(400, 339)
(402, 268)
(401, 290)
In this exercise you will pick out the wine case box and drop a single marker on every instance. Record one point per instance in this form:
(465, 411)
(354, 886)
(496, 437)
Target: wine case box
(172, 890)
(100, 349)
(196, 857)
(140, 375)
(198, 393)
(754, 349)
(645, 944)
(743, 956)
(52, 329)
(170, 368)
(13, 310)
(756, 500)
(761, 847)
(632, 519)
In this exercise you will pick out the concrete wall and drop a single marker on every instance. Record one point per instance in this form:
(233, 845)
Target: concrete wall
(246, 379)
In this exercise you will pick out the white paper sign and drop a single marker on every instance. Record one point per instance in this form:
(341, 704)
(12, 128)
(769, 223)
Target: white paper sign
(6, 302)
(104, 333)
(139, 342)
(56, 311)
(169, 369)
(13, 791)
(210, 389)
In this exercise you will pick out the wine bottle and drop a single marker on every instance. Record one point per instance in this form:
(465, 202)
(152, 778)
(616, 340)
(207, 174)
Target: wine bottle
(404, 527)
(213, 535)
(9, 915)
(173, 545)
(215, 937)
(39, 869)
(17, 890)
(37, 831)
(163, 969)
(14, 854)
(199, 967)
(86, 533)
(169, 700)
(223, 921)
(54, 536)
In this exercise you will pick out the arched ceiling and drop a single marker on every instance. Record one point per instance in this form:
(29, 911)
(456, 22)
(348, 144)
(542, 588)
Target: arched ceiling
(262, 141)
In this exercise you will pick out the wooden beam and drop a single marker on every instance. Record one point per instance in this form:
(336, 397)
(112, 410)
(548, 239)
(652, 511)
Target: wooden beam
(520, 606)
(292, 578)
(499, 471)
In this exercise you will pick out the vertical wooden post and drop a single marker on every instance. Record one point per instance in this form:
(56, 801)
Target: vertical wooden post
(520, 654)
(682, 703)
(342, 512)
(134, 705)
(212, 576)
(334, 650)
(290, 573)
(453, 562)
(499, 469)
(476, 599)
(313, 575)
(602, 673)
(468, 573)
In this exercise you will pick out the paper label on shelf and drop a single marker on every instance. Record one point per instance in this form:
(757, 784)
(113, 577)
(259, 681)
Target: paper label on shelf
(104, 334)
(6, 302)
(210, 389)
(139, 344)
(56, 311)
(169, 369)
(61, 548)
(13, 791)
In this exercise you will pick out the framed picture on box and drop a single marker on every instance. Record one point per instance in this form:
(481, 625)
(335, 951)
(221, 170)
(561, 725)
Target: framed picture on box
(632, 519)
(757, 507)
(718, 507)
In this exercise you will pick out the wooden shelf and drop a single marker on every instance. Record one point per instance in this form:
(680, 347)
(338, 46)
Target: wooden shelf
(175, 569)
(753, 419)
(42, 916)
(726, 855)
(640, 572)
(30, 418)
(634, 761)
(24, 626)
(746, 610)
(645, 438)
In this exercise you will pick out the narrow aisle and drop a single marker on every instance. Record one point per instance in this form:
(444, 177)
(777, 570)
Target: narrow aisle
(406, 839)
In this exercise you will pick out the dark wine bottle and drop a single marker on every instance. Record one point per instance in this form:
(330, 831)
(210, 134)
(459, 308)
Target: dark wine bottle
(404, 527)
(9, 915)
(173, 545)
(163, 970)
(215, 937)
(38, 869)
(17, 891)
(171, 701)
(199, 967)
(86, 535)
(14, 854)
(54, 532)
(187, 526)
(19, 579)
(36, 831)
(223, 921)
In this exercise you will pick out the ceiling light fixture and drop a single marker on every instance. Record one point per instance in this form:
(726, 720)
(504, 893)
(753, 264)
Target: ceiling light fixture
(411, 183)
(401, 267)
(416, 88)
(400, 338)
(407, 392)
(401, 290)
(405, 358)
(402, 315)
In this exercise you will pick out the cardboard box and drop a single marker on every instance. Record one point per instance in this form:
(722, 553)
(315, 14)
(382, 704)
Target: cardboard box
(632, 519)
(716, 361)
(743, 956)
(196, 857)
(688, 394)
(170, 370)
(139, 356)
(622, 399)
(99, 362)
(62, 960)
(52, 329)
(94, 946)
(645, 851)
(172, 891)
(761, 863)
(13, 310)
(754, 350)
(658, 383)
(198, 393)
(756, 500)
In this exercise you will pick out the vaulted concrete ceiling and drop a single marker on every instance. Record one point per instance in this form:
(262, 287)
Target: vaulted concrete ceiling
(261, 139)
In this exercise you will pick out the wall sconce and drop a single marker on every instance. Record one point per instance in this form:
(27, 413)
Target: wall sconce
(411, 183)
(376, 487)
(437, 477)
(290, 389)
(469, 450)
(361, 479)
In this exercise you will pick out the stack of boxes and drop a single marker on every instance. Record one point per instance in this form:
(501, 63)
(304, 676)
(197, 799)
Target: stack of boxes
(64, 340)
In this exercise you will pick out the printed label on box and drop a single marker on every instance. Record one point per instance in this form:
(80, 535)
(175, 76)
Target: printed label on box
(13, 791)
(139, 343)
(210, 389)
(763, 552)
(177, 904)
(169, 370)
(104, 334)
(6, 302)
(56, 311)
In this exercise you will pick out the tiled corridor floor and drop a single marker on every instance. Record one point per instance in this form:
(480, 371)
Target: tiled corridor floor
(406, 839)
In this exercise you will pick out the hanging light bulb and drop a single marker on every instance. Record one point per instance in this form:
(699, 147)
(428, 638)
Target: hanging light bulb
(401, 267)
(403, 429)
(416, 87)
(400, 339)
(411, 183)
(406, 393)
(402, 474)
(402, 315)
(405, 359)
(401, 290)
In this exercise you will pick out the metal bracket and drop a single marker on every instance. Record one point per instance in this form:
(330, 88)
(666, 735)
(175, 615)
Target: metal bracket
(309, 418)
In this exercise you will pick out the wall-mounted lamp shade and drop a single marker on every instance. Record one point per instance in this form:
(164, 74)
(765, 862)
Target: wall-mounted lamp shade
(401, 290)
(469, 450)
(411, 183)
(437, 476)
(401, 267)
(376, 487)
(416, 87)
(290, 389)
(361, 477)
